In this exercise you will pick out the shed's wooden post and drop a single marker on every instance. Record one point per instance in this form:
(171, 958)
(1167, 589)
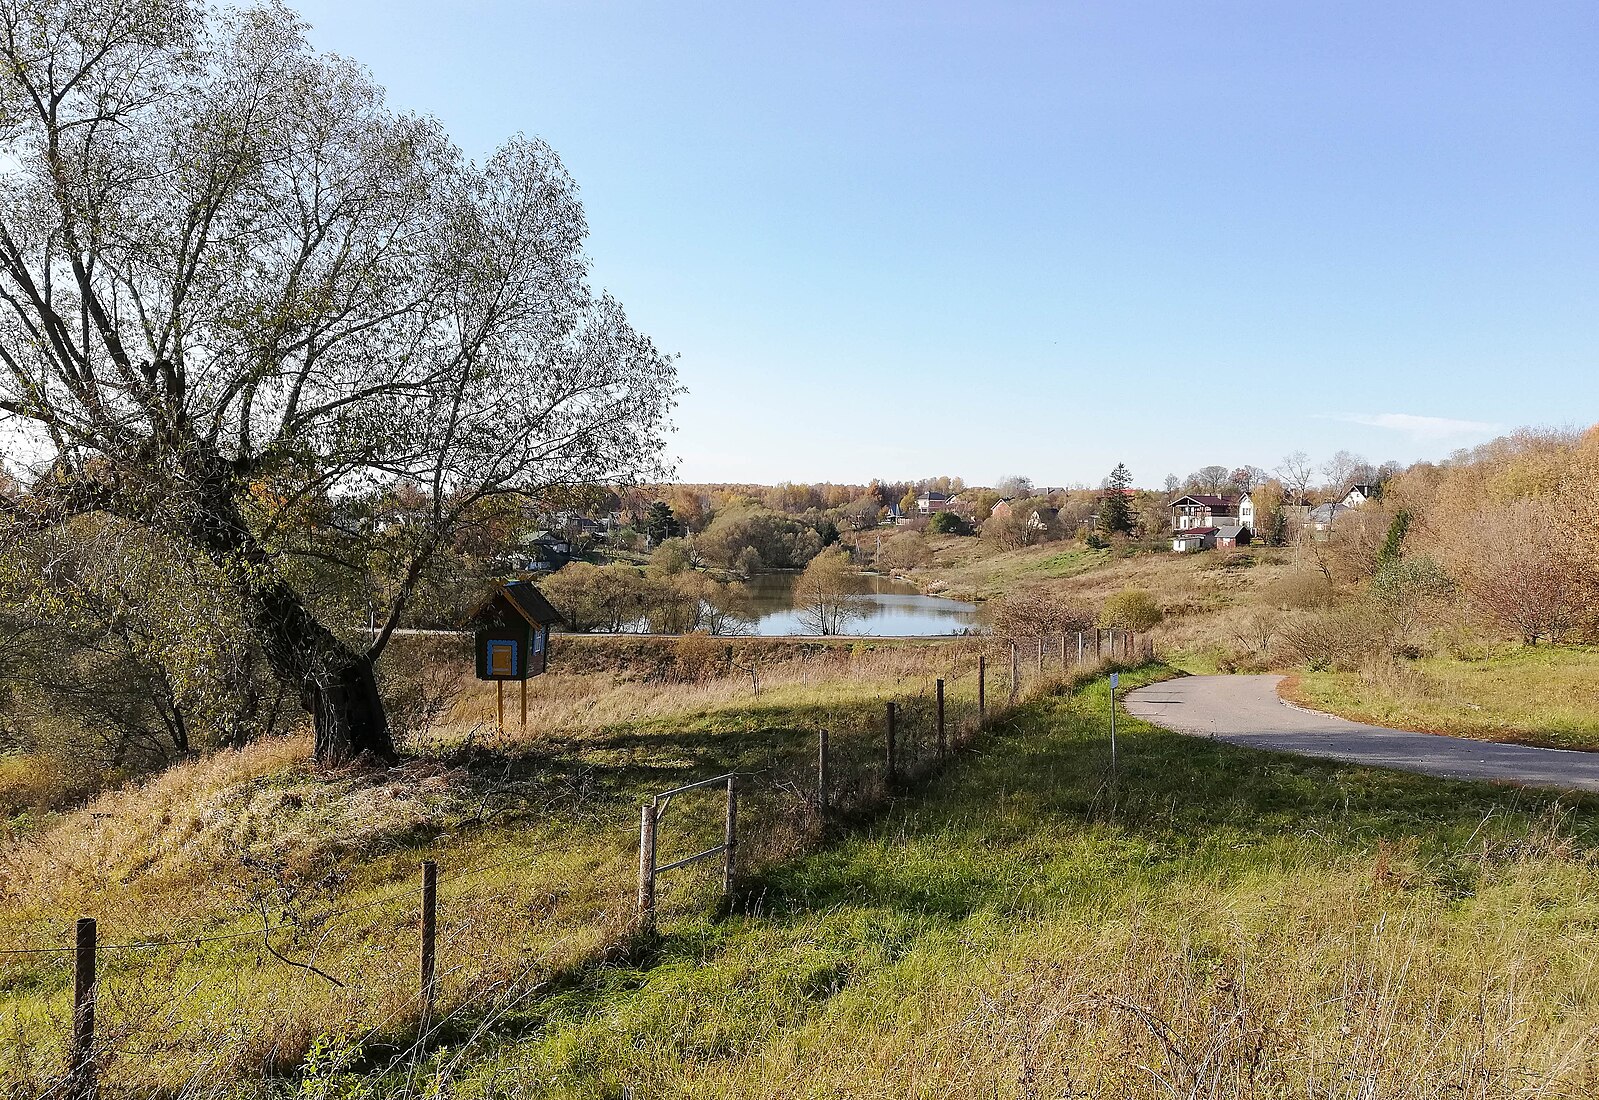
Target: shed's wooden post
(430, 925)
(982, 689)
(943, 744)
(524, 705)
(646, 867)
(730, 839)
(81, 1070)
(889, 759)
(499, 705)
(822, 779)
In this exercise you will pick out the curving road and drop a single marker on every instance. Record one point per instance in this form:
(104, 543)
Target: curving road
(1245, 710)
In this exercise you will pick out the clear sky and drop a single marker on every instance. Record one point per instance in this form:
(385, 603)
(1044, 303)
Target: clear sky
(907, 239)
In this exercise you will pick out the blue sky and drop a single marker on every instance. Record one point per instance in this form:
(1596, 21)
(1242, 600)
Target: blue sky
(901, 240)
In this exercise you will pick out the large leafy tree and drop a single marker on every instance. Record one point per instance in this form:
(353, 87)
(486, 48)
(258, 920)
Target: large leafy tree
(238, 293)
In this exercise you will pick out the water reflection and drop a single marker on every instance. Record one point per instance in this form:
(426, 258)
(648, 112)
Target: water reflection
(890, 608)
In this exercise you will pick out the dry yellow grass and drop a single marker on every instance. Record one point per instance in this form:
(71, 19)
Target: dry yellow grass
(268, 858)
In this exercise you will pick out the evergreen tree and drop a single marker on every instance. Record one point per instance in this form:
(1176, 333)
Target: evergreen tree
(660, 524)
(1115, 504)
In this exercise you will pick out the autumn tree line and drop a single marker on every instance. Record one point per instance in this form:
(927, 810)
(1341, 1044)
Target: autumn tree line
(1497, 542)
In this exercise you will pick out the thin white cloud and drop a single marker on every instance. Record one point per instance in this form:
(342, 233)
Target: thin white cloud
(1422, 427)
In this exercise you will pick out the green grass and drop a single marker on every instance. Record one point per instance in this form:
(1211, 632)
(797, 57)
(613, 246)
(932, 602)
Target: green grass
(1210, 921)
(1543, 695)
(969, 567)
(204, 849)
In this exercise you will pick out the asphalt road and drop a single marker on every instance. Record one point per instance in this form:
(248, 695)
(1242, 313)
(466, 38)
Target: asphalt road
(1245, 710)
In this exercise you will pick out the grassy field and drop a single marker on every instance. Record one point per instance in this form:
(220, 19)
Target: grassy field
(1543, 695)
(971, 568)
(1204, 922)
(535, 836)
(1208, 922)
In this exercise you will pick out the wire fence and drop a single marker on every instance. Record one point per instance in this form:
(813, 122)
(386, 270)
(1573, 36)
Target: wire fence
(138, 1003)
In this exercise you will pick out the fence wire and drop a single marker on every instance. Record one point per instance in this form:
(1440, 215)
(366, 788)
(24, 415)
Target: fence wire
(783, 807)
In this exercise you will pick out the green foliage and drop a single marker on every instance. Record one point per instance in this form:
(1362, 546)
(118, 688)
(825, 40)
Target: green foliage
(672, 556)
(660, 524)
(1393, 546)
(1131, 609)
(948, 523)
(1402, 583)
(752, 538)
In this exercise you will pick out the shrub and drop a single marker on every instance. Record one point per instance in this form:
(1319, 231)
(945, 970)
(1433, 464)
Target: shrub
(1301, 589)
(1031, 612)
(1131, 609)
(948, 523)
(906, 551)
(1340, 640)
(672, 556)
(698, 656)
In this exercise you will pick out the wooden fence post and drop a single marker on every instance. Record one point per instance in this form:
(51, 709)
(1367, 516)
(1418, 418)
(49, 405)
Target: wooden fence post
(730, 839)
(889, 761)
(646, 866)
(81, 1070)
(1063, 651)
(430, 926)
(982, 689)
(1079, 647)
(1015, 673)
(943, 744)
(822, 779)
(1040, 654)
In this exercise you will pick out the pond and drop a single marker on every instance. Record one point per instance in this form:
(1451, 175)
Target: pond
(891, 609)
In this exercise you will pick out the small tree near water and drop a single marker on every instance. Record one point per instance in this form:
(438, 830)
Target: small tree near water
(825, 595)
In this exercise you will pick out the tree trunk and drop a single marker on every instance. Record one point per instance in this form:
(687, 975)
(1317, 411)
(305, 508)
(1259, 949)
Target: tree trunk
(336, 684)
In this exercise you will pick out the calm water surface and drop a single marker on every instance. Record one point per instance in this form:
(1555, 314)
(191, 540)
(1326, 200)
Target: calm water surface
(892, 609)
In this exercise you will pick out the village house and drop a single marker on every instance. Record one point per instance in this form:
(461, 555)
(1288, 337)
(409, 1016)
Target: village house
(1360, 494)
(962, 505)
(1319, 520)
(1043, 519)
(1001, 509)
(544, 552)
(1198, 510)
(930, 502)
